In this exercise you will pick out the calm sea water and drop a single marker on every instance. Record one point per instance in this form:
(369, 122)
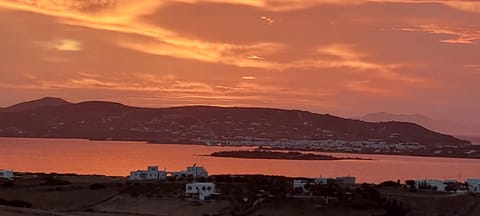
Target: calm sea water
(118, 158)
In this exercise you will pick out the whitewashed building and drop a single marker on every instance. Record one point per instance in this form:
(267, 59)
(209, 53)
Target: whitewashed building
(473, 185)
(191, 171)
(320, 181)
(152, 173)
(436, 185)
(301, 184)
(8, 174)
(202, 190)
(346, 180)
(305, 184)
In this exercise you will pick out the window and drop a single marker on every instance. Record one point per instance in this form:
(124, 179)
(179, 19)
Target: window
(189, 188)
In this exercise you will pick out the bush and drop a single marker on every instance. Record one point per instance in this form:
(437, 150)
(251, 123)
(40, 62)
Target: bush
(56, 182)
(389, 184)
(97, 186)
(18, 203)
(8, 184)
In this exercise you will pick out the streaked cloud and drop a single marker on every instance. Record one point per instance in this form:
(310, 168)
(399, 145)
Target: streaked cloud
(456, 35)
(61, 45)
(249, 77)
(267, 20)
(255, 57)
(66, 45)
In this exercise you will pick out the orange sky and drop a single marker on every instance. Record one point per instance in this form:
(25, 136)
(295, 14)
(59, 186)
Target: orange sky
(347, 57)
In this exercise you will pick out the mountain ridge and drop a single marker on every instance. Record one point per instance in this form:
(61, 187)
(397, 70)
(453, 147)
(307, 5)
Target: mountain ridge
(442, 126)
(28, 105)
(188, 124)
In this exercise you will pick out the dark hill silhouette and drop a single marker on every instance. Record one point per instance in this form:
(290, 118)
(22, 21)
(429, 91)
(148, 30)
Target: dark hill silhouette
(46, 101)
(433, 124)
(107, 120)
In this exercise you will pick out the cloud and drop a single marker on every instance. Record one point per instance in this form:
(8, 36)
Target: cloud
(267, 20)
(459, 35)
(60, 45)
(123, 18)
(249, 77)
(282, 5)
(255, 57)
(366, 86)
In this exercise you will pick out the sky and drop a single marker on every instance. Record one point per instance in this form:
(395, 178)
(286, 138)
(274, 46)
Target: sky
(347, 58)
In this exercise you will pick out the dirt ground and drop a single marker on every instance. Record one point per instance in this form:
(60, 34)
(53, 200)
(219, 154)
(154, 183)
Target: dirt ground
(304, 207)
(77, 198)
(59, 197)
(433, 203)
(157, 206)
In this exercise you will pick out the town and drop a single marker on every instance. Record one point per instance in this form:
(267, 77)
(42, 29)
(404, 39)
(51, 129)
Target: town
(370, 146)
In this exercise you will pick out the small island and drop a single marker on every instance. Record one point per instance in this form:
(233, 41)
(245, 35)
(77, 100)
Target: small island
(291, 155)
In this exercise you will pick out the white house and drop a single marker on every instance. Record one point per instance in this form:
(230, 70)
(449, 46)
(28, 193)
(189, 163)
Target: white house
(320, 181)
(473, 185)
(301, 184)
(346, 180)
(8, 174)
(193, 171)
(152, 173)
(203, 190)
(305, 184)
(437, 185)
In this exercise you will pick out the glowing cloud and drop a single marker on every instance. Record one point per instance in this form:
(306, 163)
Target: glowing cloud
(461, 35)
(249, 78)
(61, 45)
(255, 57)
(267, 20)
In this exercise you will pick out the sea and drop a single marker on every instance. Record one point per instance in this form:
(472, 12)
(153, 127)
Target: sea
(118, 158)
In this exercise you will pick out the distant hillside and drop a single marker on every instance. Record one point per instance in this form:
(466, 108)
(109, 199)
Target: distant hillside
(53, 117)
(436, 125)
(30, 105)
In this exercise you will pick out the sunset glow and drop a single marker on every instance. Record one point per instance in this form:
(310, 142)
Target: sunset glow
(345, 57)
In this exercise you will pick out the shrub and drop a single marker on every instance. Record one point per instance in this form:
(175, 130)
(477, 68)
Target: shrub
(18, 203)
(8, 184)
(389, 184)
(56, 182)
(97, 186)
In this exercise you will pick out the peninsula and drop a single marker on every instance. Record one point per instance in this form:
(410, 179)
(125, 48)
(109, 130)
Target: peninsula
(291, 155)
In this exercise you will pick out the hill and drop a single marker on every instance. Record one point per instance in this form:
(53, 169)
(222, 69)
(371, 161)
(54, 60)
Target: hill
(30, 105)
(433, 124)
(56, 118)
